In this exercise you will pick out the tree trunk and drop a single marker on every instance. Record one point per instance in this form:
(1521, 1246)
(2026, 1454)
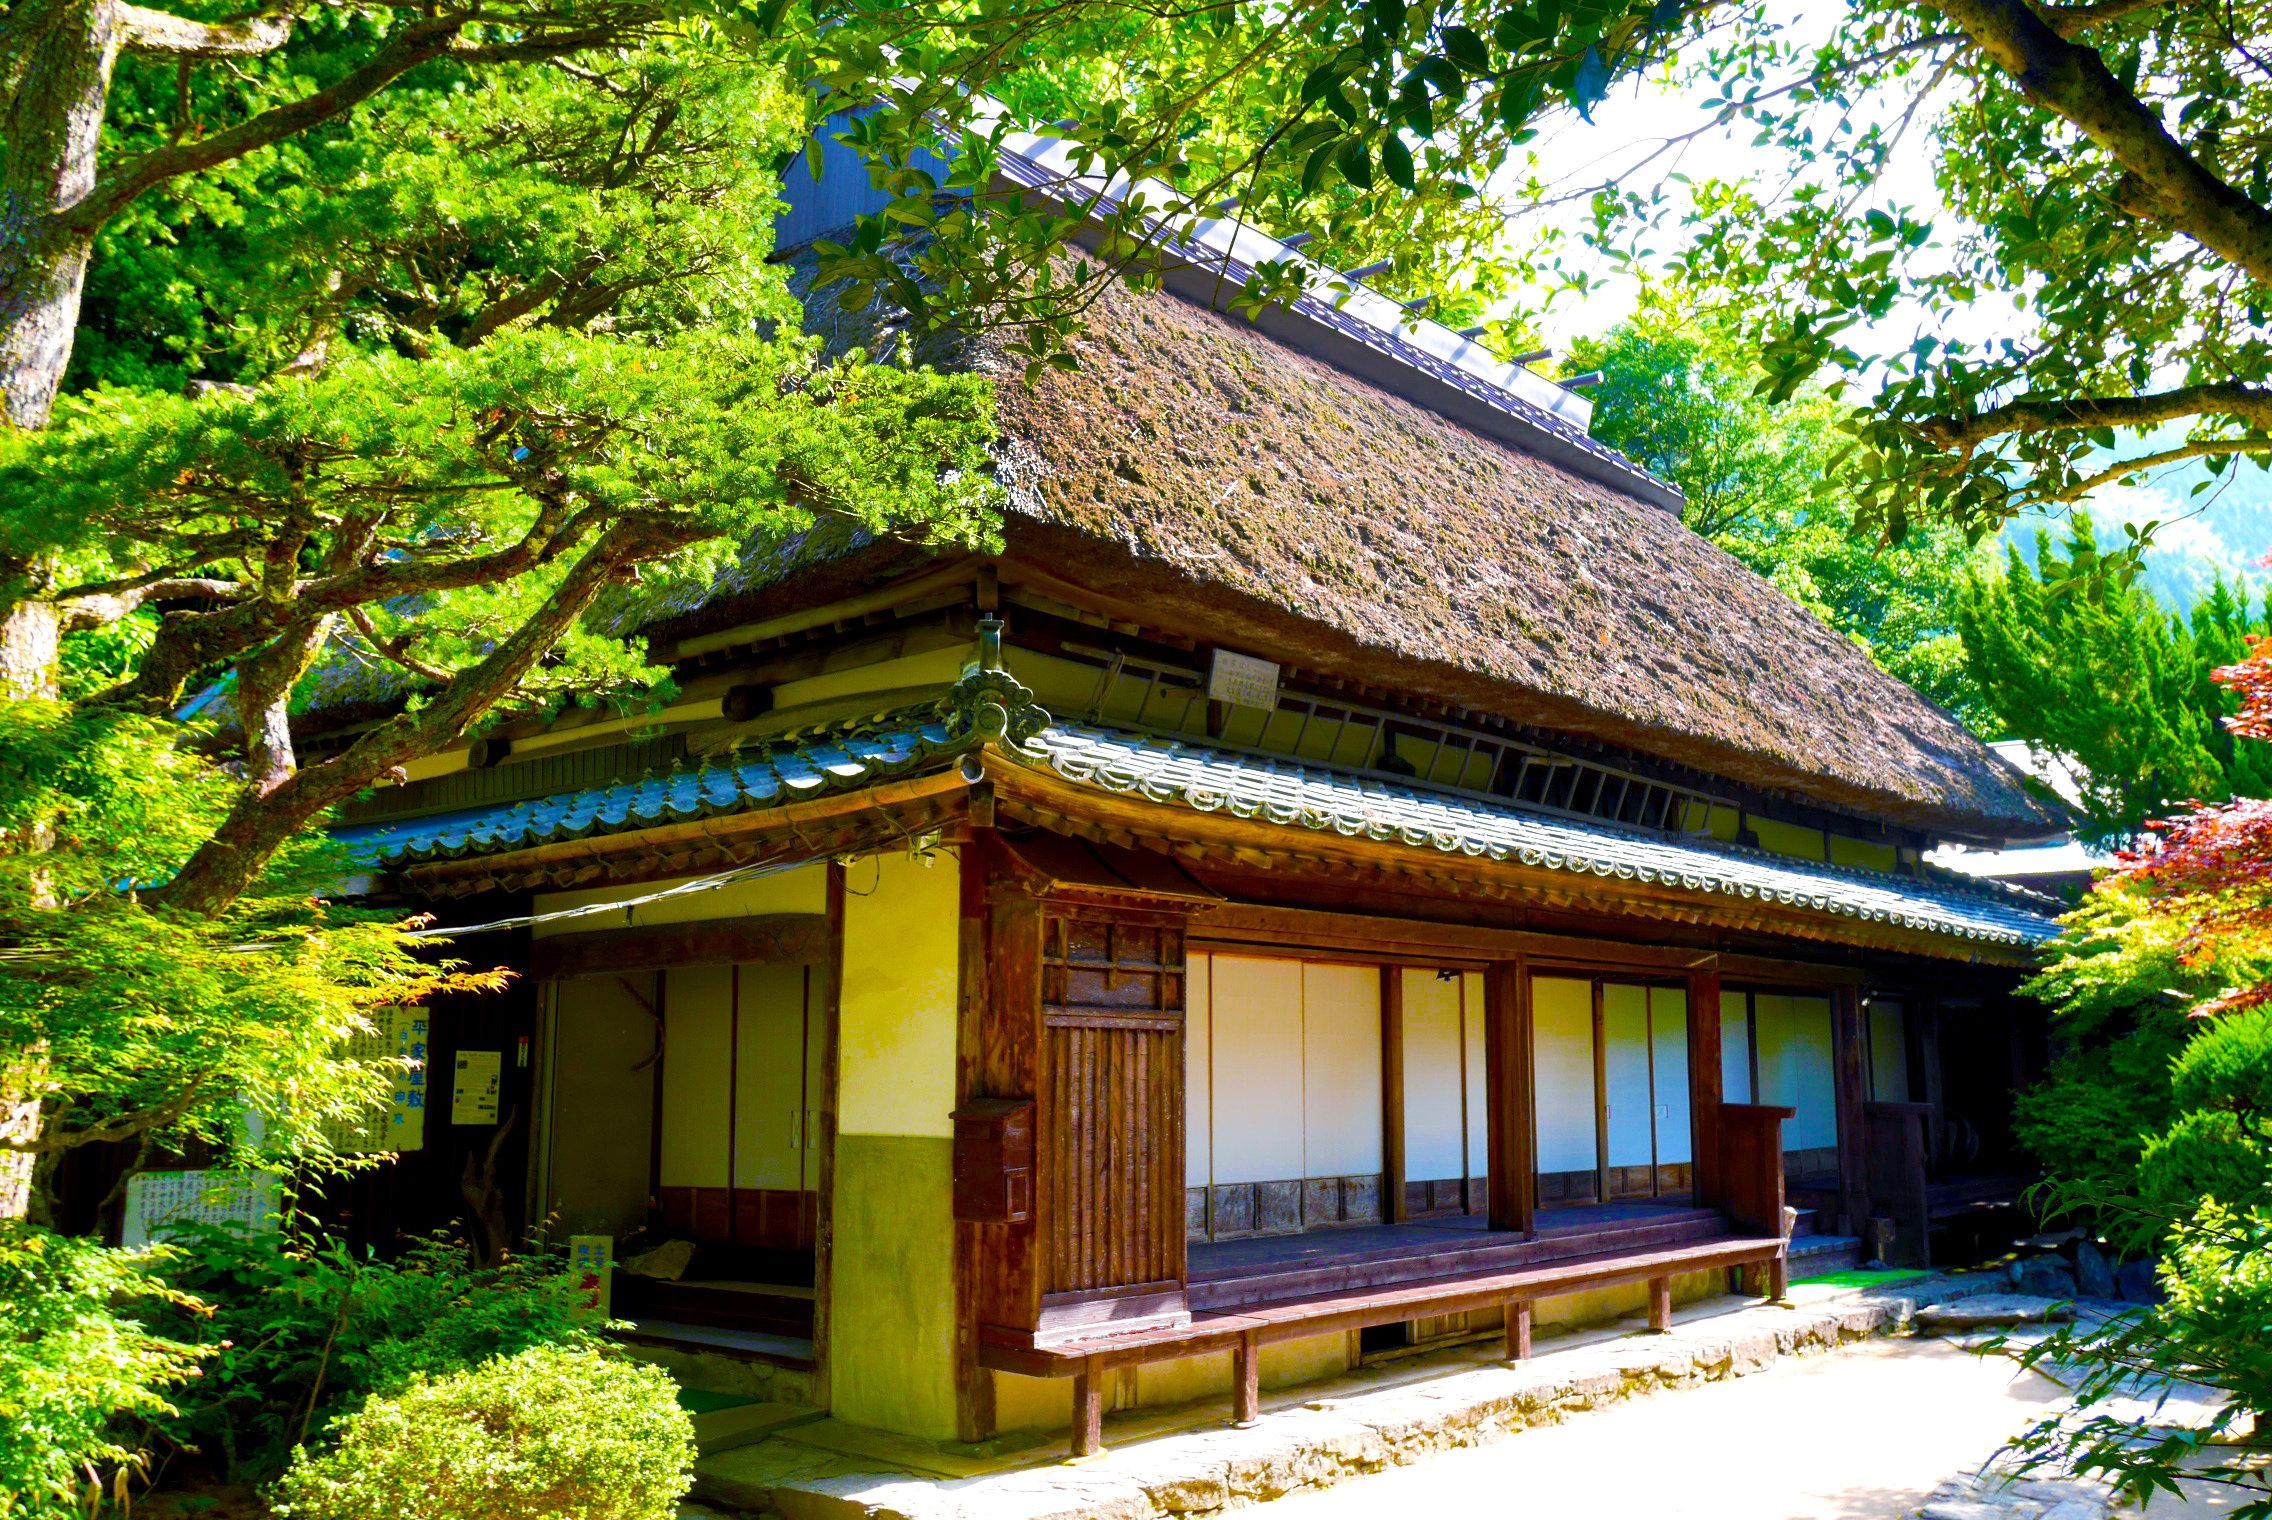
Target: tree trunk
(58, 57)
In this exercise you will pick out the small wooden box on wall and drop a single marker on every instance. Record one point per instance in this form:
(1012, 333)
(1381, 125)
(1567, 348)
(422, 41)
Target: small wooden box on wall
(994, 1161)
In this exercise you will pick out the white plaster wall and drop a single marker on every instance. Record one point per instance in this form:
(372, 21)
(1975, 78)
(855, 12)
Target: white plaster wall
(1478, 1101)
(1432, 1075)
(1668, 1051)
(770, 1075)
(1341, 1070)
(1889, 1052)
(1735, 1047)
(1625, 1065)
(698, 1064)
(1562, 1023)
(1256, 1024)
(1795, 1066)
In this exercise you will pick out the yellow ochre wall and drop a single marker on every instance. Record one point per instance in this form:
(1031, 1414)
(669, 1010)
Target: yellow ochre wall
(891, 1343)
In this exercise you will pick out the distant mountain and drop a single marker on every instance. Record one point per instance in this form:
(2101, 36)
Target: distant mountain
(2225, 530)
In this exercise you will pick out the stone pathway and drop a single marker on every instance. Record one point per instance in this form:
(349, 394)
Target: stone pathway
(1189, 1462)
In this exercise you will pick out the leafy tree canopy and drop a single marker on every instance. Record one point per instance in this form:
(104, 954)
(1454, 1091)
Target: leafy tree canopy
(2115, 682)
(1679, 395)
(470, 372)
(2102, 168)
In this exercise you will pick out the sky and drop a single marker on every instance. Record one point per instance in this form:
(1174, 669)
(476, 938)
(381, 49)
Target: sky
(2224, 531)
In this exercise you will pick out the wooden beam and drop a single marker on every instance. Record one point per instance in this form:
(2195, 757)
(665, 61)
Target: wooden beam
(1253, 928)
(1705, 1089)
(1660, 1304)
(764, 939)
(755, 827)
(1392, 1094)
(962, 571)
(1849, 1046)
(1511, 1138)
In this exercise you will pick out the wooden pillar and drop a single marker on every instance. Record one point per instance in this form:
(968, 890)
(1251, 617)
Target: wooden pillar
(1601, 1096)
(1246, 1381)
(1705, 1092)
(1392, 1095)
(1088, 1410)
(974, 1384)
(1849, 1045)
(1518, 1331)
(1507, 1064)
(1660, 1304)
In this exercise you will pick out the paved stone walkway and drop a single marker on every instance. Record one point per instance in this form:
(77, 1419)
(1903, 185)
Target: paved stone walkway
(1190, 1462)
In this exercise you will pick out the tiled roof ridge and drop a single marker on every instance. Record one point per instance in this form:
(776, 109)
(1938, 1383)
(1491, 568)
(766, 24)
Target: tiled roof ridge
(2019, 924)
(989, 708)
(1956, 882)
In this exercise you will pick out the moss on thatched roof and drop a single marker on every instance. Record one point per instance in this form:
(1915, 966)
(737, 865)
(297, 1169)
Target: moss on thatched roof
(1217, 479)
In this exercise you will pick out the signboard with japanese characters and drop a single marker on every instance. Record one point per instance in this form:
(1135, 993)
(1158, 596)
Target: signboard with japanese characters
(399, 1124)
(1242, 680)
(159, 1202)
(591, 1262)
(473, 1095)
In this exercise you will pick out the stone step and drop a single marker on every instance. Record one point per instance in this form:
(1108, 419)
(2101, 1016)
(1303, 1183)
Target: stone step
(1821, 1255)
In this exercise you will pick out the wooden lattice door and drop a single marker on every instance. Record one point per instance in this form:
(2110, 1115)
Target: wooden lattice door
(1110, 1120)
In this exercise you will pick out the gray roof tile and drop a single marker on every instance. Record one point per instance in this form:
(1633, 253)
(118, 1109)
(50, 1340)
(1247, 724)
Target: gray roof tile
(1285, 792)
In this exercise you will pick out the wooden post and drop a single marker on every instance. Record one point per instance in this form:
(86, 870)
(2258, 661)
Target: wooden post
(1601, 1097)
(1392, 1095)
(1088, 1410)
(1518, 1331)
(974, 1384)
(1849, 1045)
(824, 1223)
(1246, 1381)
(1512, 1137)
(1660, 1304)
(1705, 1091)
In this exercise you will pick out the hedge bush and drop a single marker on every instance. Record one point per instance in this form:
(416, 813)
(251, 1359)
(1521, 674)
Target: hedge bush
(564, 1430)
(77, 1368)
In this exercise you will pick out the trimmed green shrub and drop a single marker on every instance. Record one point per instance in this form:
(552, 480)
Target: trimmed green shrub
(572, 1431)
(75, 1368)
(304, 1330)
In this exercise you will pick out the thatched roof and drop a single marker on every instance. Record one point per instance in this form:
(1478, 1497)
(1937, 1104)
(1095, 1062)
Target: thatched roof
(1214, 478)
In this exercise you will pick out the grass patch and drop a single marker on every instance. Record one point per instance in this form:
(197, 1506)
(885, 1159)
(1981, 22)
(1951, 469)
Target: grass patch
(1862, 1277)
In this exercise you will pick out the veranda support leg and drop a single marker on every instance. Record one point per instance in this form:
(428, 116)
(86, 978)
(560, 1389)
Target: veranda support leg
(1518, 1331)
(1779, 1278)
(1088, 1411)
(1660, 1304)
(1246, 1381)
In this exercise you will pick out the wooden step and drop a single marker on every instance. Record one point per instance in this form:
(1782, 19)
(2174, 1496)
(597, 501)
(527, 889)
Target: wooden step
(1232, 1289)
(784, 1309)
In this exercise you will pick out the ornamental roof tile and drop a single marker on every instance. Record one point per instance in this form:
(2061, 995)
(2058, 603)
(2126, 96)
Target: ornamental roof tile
(1287, 793)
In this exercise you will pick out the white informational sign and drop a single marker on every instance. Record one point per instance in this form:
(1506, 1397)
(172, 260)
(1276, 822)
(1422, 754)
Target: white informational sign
(590, 1258)
(158, 1202)
(400, 1124)
(473, 1094)
(1242, 680)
